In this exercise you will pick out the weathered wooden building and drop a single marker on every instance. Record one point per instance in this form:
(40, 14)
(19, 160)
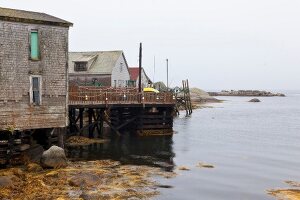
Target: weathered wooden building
(33, 70)
(100, 68)
(134, 77)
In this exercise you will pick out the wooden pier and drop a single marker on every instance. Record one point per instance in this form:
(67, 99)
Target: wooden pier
(123, 109)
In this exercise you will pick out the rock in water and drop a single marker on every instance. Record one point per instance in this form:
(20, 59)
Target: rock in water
(254, 100)
(54, 157)
(5, 181)
(85, 180)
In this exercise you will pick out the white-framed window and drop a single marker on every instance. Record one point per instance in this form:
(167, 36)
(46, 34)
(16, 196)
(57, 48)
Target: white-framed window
(35, 91)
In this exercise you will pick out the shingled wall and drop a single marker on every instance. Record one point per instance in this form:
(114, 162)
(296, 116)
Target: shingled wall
(16, 67)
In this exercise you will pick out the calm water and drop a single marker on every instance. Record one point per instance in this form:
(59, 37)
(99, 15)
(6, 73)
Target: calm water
(253, 146)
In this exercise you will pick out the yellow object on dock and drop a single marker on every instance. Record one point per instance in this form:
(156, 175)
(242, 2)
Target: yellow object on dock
(148, 89)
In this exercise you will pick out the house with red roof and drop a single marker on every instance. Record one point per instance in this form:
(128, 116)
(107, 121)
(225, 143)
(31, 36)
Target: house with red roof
(134, 77)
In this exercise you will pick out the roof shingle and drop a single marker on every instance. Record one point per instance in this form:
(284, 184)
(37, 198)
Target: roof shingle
(104, 62)
(7, 14)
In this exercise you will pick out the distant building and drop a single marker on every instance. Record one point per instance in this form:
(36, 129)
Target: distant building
(33, 70)
(134, 77)
(100, 68)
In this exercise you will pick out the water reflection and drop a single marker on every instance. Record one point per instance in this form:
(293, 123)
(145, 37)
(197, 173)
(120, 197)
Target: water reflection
(151, 151)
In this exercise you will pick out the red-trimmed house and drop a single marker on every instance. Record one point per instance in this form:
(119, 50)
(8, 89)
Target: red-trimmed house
(134, 77)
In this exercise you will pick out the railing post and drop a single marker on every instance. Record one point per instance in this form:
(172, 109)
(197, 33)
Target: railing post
(106, 99)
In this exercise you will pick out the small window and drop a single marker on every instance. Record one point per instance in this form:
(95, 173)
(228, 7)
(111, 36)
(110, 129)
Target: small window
(80, 66)
(35, 90)
(34, 45)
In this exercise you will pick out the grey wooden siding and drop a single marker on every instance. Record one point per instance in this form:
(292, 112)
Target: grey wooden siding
(16, 69)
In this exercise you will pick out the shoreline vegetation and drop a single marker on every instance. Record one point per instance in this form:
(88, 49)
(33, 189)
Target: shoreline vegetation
(246, 93)
(290, 193)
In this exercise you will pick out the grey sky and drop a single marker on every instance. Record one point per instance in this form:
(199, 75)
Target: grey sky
(217, 44)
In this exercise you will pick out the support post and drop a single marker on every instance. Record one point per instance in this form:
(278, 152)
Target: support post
(90, 122)
(189, 97)
(81, 118)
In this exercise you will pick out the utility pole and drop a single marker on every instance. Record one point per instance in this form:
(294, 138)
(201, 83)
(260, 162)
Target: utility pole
(140, 69)
(153, 70)
(167, 74)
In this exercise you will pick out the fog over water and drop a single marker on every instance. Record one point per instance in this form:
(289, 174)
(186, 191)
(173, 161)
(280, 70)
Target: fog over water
(217, 44)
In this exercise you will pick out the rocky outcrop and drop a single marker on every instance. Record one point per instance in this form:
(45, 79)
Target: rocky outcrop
(246, 93)
(54, 157)
(200, 96)
(254, 100)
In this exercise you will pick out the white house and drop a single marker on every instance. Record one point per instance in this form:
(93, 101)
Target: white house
(102, 68)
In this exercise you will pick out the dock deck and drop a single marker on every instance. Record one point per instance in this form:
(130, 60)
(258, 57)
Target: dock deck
(121, 108)
(98, 96)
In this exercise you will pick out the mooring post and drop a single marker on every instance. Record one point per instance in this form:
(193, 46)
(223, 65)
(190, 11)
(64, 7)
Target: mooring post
(61, 136)
(101, 122)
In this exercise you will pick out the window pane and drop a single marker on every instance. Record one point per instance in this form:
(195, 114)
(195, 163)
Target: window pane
(35, 83)
(36, 90)
(36, 97)
(80, 66)
(34, 45)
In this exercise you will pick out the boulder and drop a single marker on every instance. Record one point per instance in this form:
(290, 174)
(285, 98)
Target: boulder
(200, 96)
(85, 180)
(6, 181)
(254, 100)
(54, 157)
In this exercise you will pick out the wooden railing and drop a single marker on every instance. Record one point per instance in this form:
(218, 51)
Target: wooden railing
(98, 95)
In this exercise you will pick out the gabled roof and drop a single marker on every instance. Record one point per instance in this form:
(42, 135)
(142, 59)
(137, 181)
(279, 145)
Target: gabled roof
(7, 14)
(85, 58)
(134, 73)
(104, 61)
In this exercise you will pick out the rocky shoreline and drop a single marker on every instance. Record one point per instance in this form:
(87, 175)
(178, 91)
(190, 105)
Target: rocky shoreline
(101, 179)
(246, 93)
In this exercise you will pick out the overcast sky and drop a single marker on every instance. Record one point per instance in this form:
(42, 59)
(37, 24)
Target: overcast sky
(216, 44)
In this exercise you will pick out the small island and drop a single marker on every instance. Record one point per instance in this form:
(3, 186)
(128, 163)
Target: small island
(246, 93)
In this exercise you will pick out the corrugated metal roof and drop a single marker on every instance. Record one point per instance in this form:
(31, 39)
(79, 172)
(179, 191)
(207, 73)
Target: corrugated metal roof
(103, 64)
(8, 14)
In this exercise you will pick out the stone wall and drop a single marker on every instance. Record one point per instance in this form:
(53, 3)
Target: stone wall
(16, 67)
